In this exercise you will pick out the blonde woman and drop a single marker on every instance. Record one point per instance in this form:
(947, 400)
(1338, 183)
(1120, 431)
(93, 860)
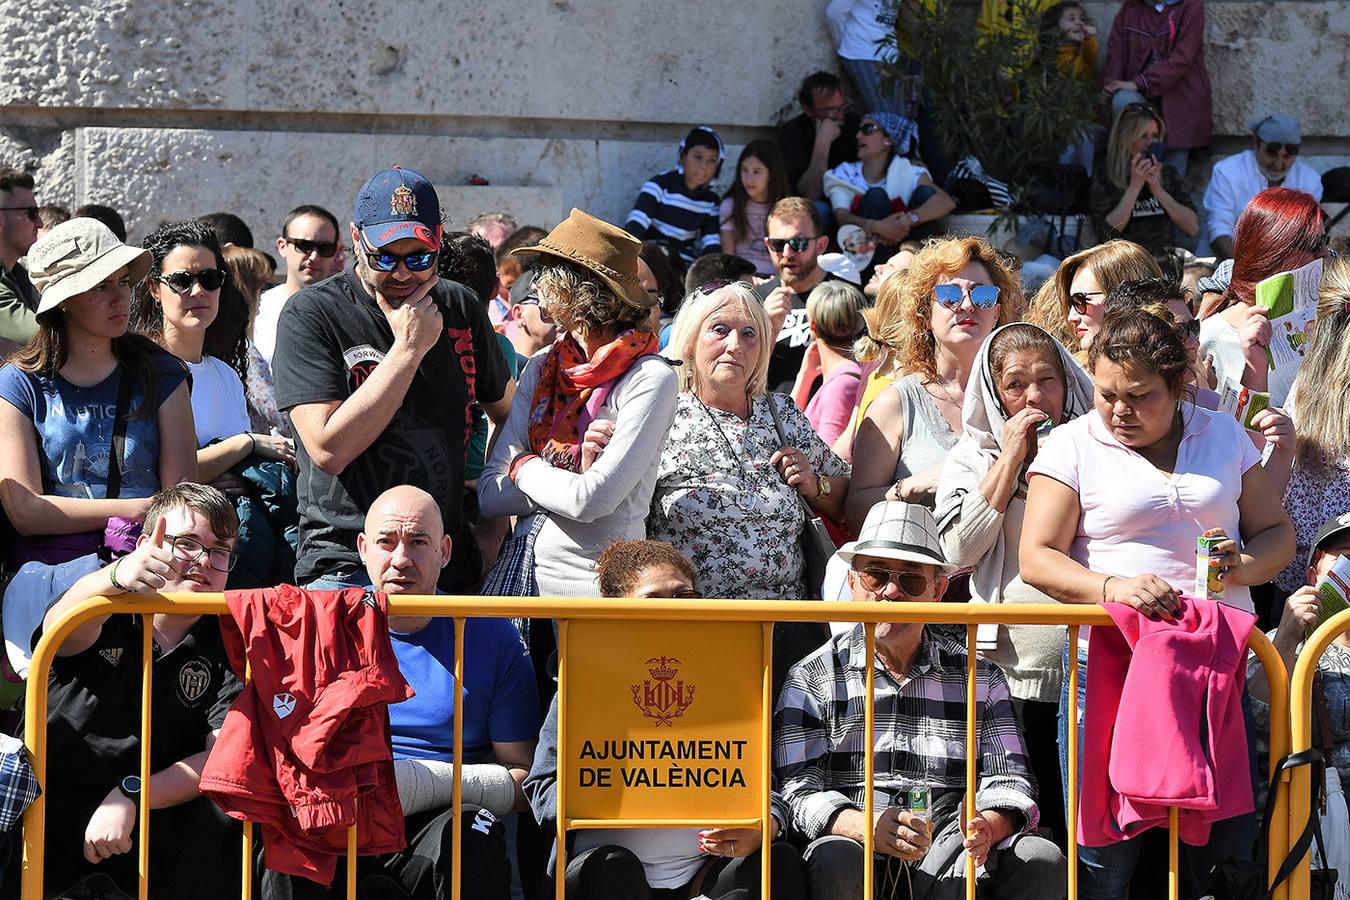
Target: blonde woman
(957, 291)
(1137, 197)
(1319, 485)
(834, 315)
(1070, 305)
(727, 486)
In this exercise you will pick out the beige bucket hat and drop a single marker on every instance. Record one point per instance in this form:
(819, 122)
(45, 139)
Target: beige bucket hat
(77, 256)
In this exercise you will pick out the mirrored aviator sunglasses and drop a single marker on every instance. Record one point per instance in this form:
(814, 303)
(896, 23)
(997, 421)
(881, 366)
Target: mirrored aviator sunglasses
(388, 262)
(982, 296)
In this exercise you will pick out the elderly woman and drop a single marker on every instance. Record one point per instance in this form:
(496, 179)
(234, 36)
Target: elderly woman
(603, 375)
(957, 291)
(727, 486)
(1024, 384)
(1116, 501)
(1070, 305)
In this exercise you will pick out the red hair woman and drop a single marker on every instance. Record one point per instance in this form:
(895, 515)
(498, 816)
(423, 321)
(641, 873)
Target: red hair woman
(1281, 229)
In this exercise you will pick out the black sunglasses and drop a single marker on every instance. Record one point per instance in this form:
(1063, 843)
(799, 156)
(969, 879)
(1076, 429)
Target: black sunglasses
(326, 249)
(31, 211)
(182, 282)
(875, 578)
(798, 244)
(1081, 300)
(1274, 147)
(868, 128)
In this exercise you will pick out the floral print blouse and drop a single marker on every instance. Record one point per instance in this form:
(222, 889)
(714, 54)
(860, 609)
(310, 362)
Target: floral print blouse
(721, 504)
(1313, 495)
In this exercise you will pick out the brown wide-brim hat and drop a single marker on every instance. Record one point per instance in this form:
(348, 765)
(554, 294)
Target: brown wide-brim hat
(608, 251)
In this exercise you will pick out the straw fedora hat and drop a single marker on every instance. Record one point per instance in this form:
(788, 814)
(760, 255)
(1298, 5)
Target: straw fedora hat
(610, 252)
(77, 256)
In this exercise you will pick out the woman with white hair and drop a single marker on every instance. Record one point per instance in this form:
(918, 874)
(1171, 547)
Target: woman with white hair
(727, 486)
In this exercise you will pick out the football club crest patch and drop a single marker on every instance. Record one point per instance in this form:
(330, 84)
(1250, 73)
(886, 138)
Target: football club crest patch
(193, 680)
(403, 202)
(283, 704)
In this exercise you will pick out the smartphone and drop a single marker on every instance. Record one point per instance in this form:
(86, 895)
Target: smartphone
(1155, 150)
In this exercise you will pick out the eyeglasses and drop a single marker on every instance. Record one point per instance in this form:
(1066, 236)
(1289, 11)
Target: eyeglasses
(326, 249)
(868, 128)
(1274, 147)
(182, 282)
(875, 578)
(687, 595)
(982, 296)
(799, 244)
(189, 549)
(388, 262)
(712, 287)
(30, 211)
(1081, 300)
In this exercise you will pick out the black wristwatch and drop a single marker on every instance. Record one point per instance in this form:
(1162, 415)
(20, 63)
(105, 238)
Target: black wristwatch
(131, 788)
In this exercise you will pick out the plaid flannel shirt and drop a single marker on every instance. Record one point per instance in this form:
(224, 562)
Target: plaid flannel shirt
(920, 733)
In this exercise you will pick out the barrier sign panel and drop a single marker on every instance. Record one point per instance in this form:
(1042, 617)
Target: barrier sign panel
(663, 720)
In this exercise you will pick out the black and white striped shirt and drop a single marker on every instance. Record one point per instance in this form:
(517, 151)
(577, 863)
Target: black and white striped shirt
(667, 212)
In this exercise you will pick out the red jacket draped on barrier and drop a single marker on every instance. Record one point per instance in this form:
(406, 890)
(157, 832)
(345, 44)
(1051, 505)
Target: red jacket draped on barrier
(309, 735)
(1163, 725)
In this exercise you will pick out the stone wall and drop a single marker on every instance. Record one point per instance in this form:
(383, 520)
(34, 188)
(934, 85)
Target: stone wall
(164, 109)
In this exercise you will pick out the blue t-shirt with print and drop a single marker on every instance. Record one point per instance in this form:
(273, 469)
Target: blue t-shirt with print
(501, 702)
(75, 428)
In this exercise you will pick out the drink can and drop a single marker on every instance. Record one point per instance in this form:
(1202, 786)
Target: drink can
(1207, 582)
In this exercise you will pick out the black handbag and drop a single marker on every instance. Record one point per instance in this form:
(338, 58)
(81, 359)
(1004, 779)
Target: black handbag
(817, 545)
(1246, 880)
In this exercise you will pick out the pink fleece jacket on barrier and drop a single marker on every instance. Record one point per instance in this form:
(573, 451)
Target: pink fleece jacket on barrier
(1163, 725)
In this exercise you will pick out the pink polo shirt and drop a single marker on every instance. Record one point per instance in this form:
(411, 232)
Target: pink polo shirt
(1134, 519)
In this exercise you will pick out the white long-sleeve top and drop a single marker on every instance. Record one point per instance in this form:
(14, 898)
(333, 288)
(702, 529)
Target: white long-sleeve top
(586, 511)
(1237, 179)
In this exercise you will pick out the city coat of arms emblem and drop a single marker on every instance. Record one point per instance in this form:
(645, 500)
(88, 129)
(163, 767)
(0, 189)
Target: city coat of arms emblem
(663, 697)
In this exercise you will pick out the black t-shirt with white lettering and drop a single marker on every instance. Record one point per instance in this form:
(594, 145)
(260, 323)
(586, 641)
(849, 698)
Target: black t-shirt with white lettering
(793, 339)
(330, 338)
(94, 703)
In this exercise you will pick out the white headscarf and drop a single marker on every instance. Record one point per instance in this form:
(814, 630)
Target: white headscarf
(981, 442)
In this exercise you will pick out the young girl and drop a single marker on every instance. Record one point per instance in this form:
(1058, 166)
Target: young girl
(174, 306)
(834, 311)
(678, 208)
(1066, 25)
(761, 181)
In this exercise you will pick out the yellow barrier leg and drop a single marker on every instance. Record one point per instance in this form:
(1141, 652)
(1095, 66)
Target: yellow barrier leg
(1173, 857)
(351, 861)
(456, 796)
(869, 749)
(147, 674)
(1071, 811)
(972, 751)
(766, 786)
(560, 804)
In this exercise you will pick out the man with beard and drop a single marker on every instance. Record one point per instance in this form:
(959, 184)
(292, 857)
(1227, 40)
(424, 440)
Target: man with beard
(1272, 160)
(379, 369)
(18, 230)
(795, 240)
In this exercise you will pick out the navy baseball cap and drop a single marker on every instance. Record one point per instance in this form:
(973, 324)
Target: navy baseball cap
(395, 204)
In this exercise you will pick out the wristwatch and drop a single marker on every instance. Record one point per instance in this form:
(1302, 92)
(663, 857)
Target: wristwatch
(823, 486)
(913, 219)
(130, 787)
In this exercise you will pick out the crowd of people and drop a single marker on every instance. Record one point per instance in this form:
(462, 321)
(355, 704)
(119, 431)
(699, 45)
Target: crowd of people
(666, 410)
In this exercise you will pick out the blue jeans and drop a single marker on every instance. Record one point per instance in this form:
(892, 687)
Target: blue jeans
(1178, 159)
(340, 582)
(876, 204)
(1104, 873)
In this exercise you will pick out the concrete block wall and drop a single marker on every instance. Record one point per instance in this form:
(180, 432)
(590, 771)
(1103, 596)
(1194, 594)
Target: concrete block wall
(164, 109)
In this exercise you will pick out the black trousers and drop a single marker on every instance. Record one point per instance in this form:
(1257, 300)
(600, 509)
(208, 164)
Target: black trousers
(194, 849)
(611, 872)
(422, 870)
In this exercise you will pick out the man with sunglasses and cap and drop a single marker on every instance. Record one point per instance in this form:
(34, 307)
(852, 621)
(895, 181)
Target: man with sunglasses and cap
(19, 225)
(311, 246)
(1272, 160)
(920, 821)
(380, 368)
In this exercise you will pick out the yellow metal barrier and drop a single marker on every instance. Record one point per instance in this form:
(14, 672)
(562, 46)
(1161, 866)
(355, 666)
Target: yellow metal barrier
(1300, 720)
(763, 611)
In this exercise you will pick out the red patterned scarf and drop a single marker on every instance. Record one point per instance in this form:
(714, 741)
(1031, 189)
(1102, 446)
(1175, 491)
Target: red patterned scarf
(567, 382)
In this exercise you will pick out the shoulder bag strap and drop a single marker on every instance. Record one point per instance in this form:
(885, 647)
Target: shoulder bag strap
(783, 442)
(1311, 757)
(117, 459)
